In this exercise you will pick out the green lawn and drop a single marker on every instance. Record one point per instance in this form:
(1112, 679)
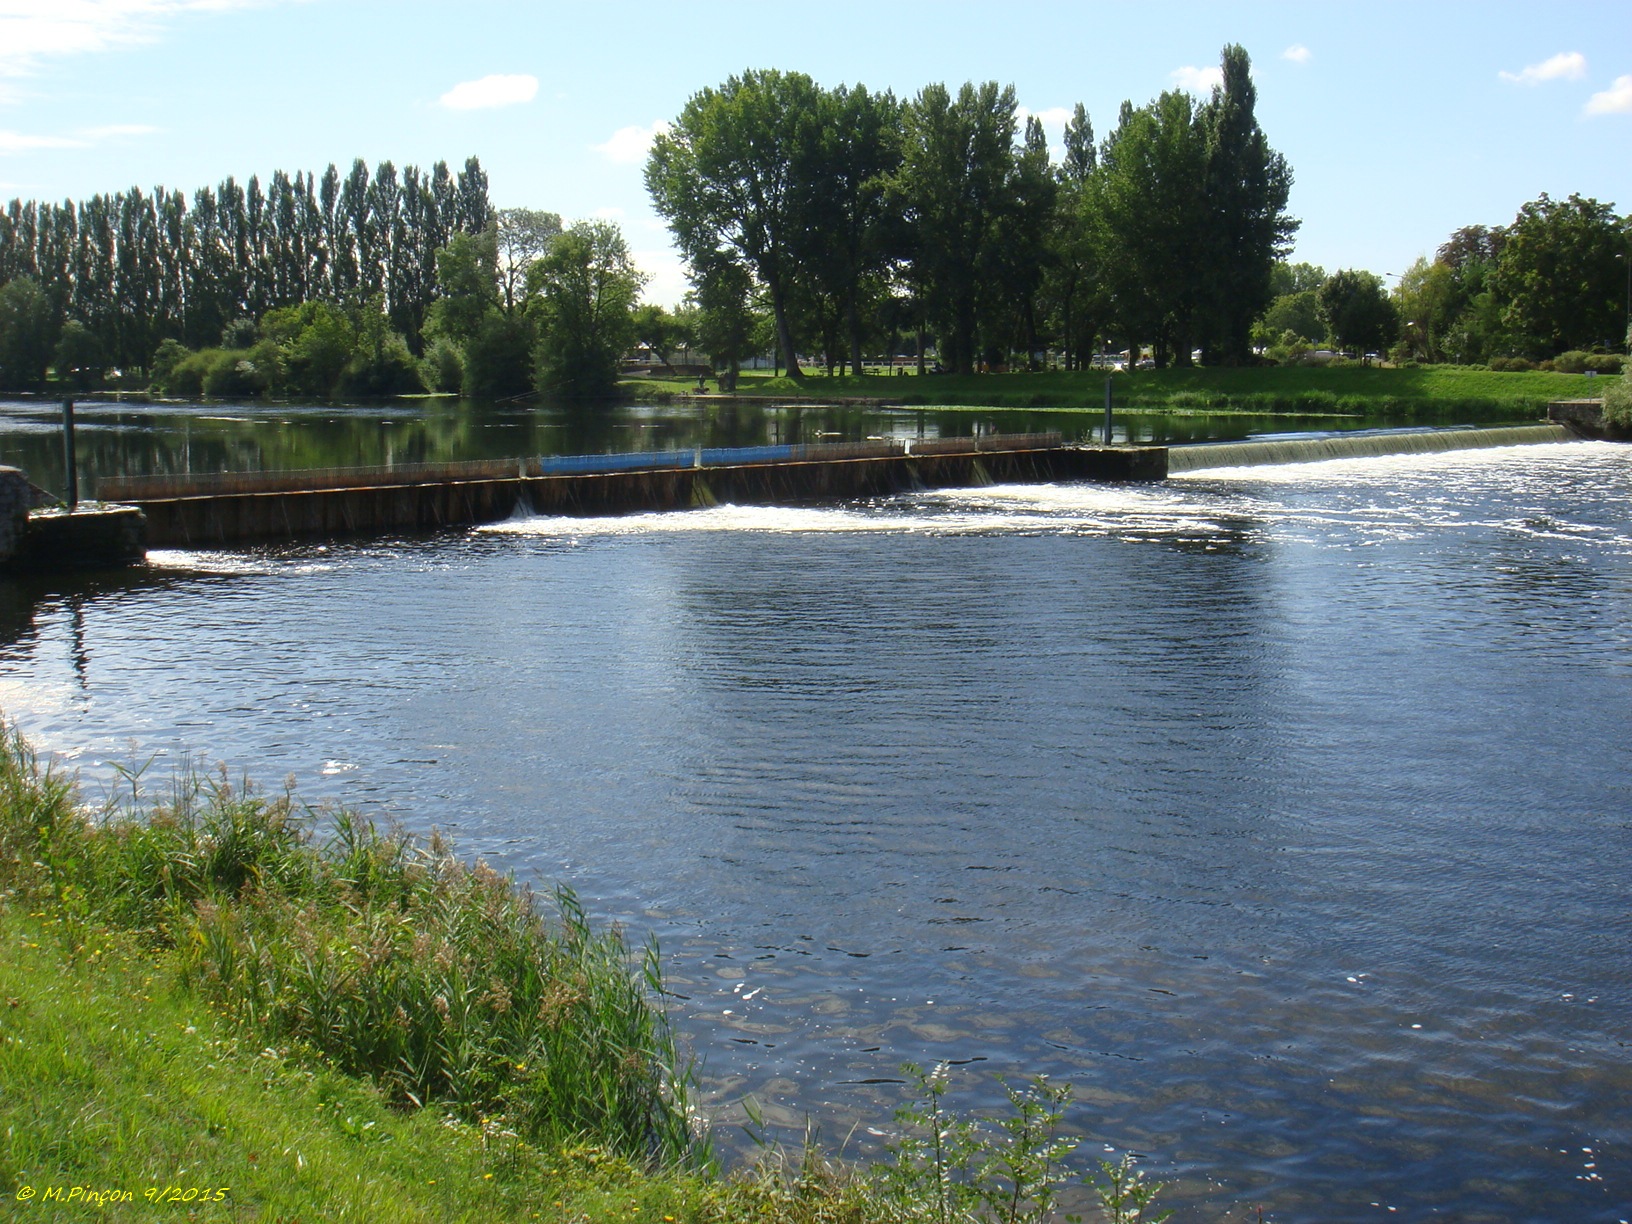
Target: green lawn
(1300, 389)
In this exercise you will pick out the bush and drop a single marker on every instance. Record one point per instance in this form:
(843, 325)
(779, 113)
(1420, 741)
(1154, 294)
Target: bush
(1572, 361)
(1618, 406)
(443, 367)
(1605, 363)
(166, 358)
(381, 366)
(1511, 365)
(238, 373)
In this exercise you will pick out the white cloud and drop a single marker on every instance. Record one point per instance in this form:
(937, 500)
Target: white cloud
(116, 131)
(1053, 117)
(1298, 54)
(22, 142)
(1565, 66)
(1616, 100)
(84, 138)
(33, 30)
(491, 91)
(666, 283)
(628, 146)
(1198, 80)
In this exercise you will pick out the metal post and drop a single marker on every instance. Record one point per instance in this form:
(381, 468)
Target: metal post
(1107, 410)
(70, 467)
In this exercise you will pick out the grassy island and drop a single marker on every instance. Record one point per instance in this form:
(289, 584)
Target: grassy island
(225, 1006)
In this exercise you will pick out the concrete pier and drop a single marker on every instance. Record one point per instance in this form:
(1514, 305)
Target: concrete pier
(36, 535)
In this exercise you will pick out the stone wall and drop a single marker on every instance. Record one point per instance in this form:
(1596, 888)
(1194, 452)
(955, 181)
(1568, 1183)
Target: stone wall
(16, 500)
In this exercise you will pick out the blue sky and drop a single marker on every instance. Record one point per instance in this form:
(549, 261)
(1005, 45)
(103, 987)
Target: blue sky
(1401, 122)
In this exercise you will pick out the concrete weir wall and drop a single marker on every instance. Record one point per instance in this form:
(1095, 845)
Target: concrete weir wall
(225, 518)
(35, 535)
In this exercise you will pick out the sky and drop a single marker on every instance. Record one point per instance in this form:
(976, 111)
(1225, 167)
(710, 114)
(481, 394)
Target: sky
(1401, 122)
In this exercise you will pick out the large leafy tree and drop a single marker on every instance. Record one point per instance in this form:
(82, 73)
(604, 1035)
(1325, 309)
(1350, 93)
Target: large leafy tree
(858, 148)
(955, 191)
(28, 334)
(734, 177)
(1357, 310)
(1562, 273)
(586, 289)
(1158, 216)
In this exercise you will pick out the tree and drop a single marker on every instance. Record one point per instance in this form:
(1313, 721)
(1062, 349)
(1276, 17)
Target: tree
(1298, 313)
(1152, 171)
(1247, 185)
(78, 357)
(727, 326)
(733, 176)
(28, 334)
(658, 330)
(468, 274)
(1357, 311)
(586, 288)
(954, 190)
(523, 236)
(1562, 273)
(1425, 299)
(859, 148)
(1285, 278)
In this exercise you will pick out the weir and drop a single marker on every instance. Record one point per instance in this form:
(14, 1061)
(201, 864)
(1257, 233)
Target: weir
(1356, 445)
(227, 508)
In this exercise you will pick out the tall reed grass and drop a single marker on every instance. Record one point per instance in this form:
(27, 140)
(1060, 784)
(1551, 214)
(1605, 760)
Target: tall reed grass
(387, 955)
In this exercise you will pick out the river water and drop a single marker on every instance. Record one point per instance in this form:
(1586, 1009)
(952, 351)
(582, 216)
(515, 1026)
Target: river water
(1284, 812)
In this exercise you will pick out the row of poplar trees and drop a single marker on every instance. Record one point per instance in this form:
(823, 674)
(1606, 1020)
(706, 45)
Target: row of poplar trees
(137, 269)
(851, 214)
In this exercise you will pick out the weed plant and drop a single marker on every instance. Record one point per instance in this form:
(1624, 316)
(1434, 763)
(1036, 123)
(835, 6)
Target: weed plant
(385, 955)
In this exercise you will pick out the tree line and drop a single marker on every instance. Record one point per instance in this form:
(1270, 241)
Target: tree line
(368, 284)
(855, 216)
(133, 269)
(1552, 289)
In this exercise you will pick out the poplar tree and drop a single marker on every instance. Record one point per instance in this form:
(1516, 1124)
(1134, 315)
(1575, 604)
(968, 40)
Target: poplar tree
(1247, 184)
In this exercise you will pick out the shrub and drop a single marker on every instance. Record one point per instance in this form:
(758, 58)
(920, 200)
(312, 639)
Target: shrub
(1572, 361)
(1511, 364)
(443, 367)
(1618, 405)
(1605, 363)
(383, 366)
(234, 373)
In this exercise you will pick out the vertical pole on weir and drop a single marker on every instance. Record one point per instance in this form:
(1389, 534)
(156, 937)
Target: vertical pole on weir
(69, 467)
(1107, 410)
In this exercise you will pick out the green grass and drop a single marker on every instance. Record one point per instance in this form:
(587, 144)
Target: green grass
(209, 1011)
(1303, 390)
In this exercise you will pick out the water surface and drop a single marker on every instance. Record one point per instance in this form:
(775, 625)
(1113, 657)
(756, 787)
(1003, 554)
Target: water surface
(1285, 812)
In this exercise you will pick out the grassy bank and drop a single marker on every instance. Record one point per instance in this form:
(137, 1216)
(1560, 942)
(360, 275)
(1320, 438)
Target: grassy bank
(1421, 391)
(223, 1007)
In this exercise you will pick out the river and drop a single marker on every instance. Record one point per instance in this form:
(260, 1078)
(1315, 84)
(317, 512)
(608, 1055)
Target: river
(1286, 812)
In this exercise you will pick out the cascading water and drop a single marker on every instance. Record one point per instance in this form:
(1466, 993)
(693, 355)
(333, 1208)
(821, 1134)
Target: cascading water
(1355, 445)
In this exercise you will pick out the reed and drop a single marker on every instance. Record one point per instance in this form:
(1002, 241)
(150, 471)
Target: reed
(389, 957)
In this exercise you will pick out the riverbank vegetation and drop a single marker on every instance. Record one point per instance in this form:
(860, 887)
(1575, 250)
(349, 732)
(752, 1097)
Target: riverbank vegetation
(225, 1002)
